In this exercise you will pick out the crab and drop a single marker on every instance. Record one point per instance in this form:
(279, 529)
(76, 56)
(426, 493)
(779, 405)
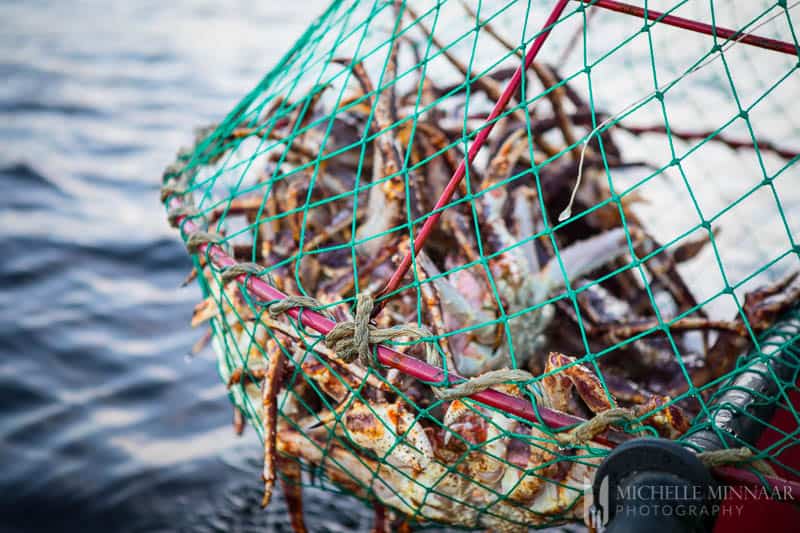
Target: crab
(476, 467)
(523, 289)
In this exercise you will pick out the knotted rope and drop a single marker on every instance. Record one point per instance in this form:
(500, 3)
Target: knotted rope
(232, 272)
(351, 341)
(732, 456)
(169, 188)
(487, 380)
(586, 431)
(181, 211)
(199, 238)
(174, 182)
(281, 306)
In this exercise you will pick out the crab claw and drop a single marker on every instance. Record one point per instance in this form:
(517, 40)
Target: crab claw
(483, 430)
(582, 257)
(562, 374)
(670, 420)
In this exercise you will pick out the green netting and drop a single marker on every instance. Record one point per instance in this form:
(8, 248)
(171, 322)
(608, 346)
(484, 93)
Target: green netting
(654, 293)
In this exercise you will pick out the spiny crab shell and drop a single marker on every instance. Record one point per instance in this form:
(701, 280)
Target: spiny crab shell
(476, 467)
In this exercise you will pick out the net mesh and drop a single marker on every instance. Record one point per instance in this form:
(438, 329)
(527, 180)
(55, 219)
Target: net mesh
(667, 278)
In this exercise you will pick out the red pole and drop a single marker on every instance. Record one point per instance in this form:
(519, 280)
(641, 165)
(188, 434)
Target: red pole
(695, 26)
(480, 139)
(425, 372)
(388, 357)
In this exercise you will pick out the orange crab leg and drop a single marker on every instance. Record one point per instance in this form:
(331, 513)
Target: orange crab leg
(269, 402)
(291, 480)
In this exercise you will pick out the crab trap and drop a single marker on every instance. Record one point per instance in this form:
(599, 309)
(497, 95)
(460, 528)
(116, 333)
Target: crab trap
(457, 256)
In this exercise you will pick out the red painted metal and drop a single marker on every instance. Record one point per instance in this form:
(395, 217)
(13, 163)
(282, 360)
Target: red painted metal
(741, 513)
(738, 476)
(425, 372)
(480, 139)
(695, 26)
(388, 357)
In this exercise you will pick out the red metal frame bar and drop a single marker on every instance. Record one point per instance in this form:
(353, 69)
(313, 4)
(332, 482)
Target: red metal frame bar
(480, 139)
(388, 357)
(513, 85)
(425, 372)
(695, 26)
(756, 514)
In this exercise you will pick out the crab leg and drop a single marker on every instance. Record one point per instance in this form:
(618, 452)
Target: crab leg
(291, 486)
(230, 301)
(717, 136)
(441, 143)
(581, 106)
(433, 305)
(663, 269)
(485, 83)
(239, 421)
(432, 140)
(624, 330)
(351, 374)
(269, 394)
(240, 205)
(337, 288)
(382, 523)
(603, 317)
(385, 200)
(562, 374)
(304, 113)
(336, 382)
(341, 222)
(688, 250)
(583, 257)
(555, 96)
(761, 308)
(455, 305)
(419, 150)
(492, 204)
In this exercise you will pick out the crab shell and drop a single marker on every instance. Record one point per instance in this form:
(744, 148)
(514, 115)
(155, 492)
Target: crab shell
(440, 493)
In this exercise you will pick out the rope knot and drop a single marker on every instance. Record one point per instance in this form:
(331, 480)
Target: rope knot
(351, 340)
(234, 271)
(586, 431)
(181, 211)
(736, 456)
(199, 238)
(174, 182)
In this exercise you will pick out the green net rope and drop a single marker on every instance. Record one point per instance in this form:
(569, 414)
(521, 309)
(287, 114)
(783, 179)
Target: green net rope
(652, 293)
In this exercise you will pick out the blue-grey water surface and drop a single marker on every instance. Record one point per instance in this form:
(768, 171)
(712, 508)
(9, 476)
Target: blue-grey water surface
(107, 423)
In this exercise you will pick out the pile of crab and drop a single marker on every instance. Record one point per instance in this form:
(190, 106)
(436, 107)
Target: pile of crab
(330, 214)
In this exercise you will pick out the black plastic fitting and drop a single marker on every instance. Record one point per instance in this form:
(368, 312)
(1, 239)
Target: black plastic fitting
(654, 486)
